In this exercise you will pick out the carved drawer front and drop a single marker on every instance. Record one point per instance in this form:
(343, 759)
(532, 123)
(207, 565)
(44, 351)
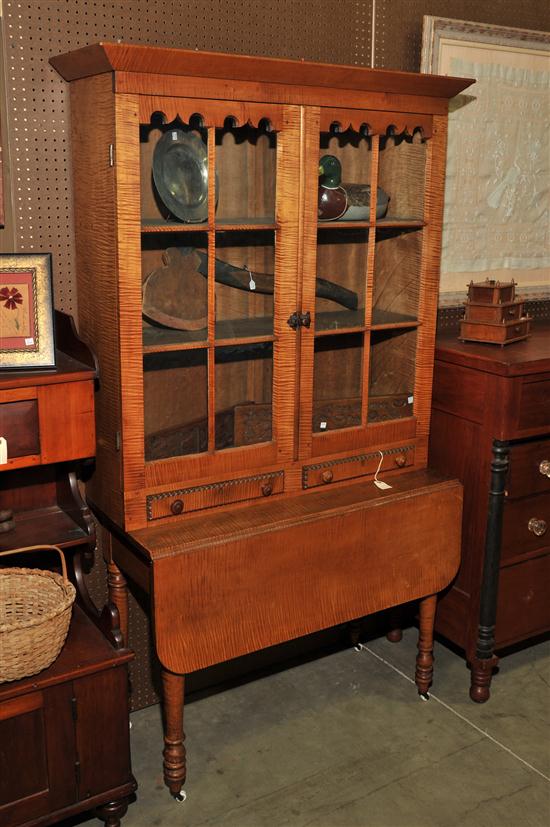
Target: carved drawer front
(183, 500)
(19, 426)
(535, 404)
(324, 473)
(529, 469)
(526, 525)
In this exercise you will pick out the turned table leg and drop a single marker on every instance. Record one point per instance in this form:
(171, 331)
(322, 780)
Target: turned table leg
(395, 622)
(112, 812)
(174, 749)
(424, 659)
(118, 594)
(485, 660)
(354, 632)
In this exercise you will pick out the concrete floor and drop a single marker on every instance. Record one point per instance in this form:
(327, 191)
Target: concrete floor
(345, 741)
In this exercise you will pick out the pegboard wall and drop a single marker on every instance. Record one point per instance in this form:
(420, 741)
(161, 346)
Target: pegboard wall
(37, 98)
(34, 115)
(398, 23)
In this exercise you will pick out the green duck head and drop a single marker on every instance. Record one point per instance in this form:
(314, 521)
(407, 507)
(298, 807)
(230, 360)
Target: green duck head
(330, 169)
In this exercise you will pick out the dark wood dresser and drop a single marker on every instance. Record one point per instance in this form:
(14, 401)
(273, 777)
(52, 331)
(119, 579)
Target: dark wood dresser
(491, 428)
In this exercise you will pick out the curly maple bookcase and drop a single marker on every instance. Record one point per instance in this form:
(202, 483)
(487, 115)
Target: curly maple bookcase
(235, 458)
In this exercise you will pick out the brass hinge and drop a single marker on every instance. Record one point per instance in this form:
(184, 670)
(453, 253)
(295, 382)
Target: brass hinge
(74, 708)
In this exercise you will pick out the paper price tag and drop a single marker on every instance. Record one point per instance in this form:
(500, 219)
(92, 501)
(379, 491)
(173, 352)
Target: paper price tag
(3, 450)
(381, 484)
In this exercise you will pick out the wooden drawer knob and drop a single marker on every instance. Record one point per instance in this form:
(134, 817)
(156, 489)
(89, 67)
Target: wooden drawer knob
(544, 467)
(327, 476)
(400, 460)
(538, 527)
(267, 489)
(177, 507)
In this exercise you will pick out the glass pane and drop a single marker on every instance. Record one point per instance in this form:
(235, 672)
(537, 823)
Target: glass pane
(175, 402)
(345, 162)
(174, 270)
(337, 381)
(174, 174)
(245, 268)
(244, 393)
(391, 376)
(341, 278)
(246, 170)
(397, 263)
(402, 163)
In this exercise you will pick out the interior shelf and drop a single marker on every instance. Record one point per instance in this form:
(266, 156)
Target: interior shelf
(161, 339)
(50, 526)
(160, 225)
(404, 223)
(382, 319)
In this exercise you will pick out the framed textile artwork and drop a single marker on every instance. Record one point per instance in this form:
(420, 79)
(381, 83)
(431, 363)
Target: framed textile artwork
(26, 311)
(497, 197)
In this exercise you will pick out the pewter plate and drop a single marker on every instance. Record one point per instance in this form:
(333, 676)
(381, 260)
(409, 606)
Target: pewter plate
(180, 173)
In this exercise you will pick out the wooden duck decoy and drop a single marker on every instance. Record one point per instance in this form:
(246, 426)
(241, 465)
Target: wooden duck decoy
(344, 201)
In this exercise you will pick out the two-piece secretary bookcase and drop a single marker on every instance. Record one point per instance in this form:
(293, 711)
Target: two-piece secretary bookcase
(259, 363)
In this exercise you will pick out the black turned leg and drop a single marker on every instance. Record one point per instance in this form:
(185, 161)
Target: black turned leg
(485, 660)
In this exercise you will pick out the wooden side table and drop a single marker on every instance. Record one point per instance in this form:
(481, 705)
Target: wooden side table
(64, 740)
(491, 428)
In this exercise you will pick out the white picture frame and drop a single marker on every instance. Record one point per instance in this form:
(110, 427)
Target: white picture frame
(497, 201)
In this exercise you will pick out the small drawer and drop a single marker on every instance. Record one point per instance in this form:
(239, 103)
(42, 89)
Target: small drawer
(194, 498)
(499, 333)
(529, 469)
(324, 473)
(20, 428)
(495, 313)
(525, 526)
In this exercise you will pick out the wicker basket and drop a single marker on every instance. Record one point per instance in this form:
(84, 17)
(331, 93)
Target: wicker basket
(35, 612)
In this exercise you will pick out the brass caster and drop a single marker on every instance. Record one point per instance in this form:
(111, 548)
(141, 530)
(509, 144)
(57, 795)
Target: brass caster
(180, 797)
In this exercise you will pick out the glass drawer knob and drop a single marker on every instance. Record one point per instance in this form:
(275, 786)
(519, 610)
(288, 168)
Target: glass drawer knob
(327, 476)
(267, 489)
(400, 460)
(177, 507)
(544, 467)
(538, 527)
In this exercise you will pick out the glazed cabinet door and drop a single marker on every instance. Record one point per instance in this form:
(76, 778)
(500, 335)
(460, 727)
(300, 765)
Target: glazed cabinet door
(213, 381)
(370, 287)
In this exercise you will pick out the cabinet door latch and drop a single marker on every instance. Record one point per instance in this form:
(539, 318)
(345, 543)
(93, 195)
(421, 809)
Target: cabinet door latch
(299, 320)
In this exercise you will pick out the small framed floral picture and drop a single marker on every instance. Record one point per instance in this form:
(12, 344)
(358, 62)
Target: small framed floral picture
(26, 311)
